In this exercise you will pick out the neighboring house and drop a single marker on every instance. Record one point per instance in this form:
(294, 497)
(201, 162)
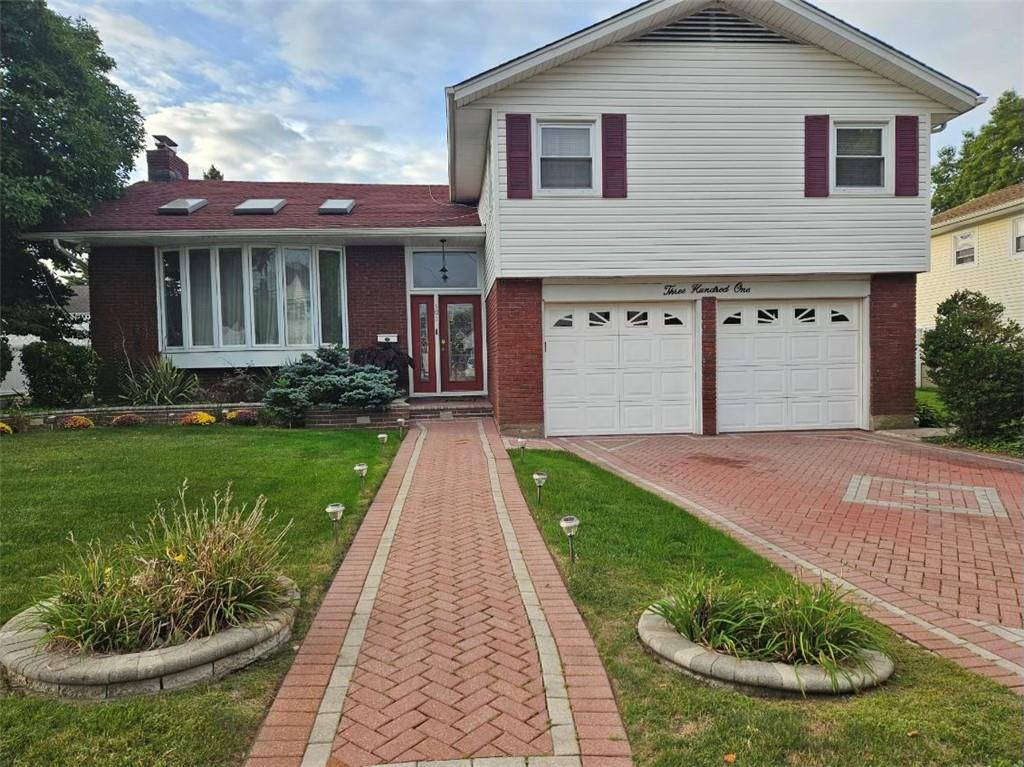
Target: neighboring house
(691, 217)
(15, 381)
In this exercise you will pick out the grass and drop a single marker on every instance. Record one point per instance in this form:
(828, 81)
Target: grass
(633, 546)
(931, 398)
(1008, 446)
(97, 484)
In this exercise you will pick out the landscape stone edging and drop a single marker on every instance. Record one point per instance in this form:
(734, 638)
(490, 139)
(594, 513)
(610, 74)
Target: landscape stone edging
(29, 665)
(756, 676)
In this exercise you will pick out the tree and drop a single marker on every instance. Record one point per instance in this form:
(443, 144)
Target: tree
(976, 359)
(213, 174)
(991, 159)
(70, 138)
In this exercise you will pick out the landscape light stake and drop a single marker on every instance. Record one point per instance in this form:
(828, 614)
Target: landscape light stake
(521, 444)
(539, 478)
(383, 439)
(360, 469)
(569, 526)
(401, 426)
(334, 512)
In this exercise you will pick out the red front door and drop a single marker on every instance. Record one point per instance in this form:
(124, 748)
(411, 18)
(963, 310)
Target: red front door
(424, 351)
(461, 344)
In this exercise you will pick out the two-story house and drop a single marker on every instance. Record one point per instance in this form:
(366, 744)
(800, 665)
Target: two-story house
(691, 217)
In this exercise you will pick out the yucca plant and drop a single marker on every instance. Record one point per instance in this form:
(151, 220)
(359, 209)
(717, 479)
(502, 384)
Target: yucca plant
(194, 571)
(158, 382)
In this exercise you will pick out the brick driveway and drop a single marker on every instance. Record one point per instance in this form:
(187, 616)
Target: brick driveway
(447, 633)
(930, 536)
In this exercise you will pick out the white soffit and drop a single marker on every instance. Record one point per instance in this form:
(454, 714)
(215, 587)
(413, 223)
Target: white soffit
(468, 139)
(183, 206)
(259, 207)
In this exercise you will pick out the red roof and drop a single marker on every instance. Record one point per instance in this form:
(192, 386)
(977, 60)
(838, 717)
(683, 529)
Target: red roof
(377, 206)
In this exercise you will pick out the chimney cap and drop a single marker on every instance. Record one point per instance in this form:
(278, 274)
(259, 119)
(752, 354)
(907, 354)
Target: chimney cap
(162, 141)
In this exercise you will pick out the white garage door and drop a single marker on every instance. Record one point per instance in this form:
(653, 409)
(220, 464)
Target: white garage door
(789, 365)
(618, 368)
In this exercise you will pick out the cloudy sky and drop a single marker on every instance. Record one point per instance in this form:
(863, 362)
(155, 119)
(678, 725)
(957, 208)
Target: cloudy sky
(353, 90)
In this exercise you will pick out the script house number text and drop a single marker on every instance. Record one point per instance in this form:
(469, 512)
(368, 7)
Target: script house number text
(704, 289)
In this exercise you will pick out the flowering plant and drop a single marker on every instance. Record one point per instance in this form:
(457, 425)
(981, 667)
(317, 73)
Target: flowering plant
(5, 430)
(243, 417)
(73, 422)
(128, 419)
(197, 418)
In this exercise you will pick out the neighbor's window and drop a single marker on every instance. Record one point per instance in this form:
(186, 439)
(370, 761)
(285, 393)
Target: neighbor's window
(566, 156)
(1017, 246)
(237, 297)
(432, 269)
(963, 248)
(860, 157)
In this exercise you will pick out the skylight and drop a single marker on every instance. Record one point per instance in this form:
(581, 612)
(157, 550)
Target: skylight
(337, 207)
(183, 206)
(260, 207)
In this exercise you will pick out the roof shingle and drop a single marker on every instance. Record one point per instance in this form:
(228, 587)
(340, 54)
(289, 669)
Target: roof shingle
(377, 206)
(994, 199)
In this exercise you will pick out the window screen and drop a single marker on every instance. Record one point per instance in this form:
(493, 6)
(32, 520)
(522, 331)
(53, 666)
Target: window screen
(860, 160)
(566, 161)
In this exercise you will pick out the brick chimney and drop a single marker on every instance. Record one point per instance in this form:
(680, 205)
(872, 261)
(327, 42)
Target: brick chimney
(164, 163)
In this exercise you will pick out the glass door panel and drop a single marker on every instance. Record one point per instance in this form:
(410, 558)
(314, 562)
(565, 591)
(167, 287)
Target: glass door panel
(424, 350)
(461, 347)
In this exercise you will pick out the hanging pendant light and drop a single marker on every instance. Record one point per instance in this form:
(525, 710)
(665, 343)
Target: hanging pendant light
(444, 262)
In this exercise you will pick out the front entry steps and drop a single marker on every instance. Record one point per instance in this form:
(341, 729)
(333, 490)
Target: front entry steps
(449, 408)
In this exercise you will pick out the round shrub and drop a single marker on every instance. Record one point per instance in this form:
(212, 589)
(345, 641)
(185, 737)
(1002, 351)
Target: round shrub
(128, 419)
(59, 373)
(193, 572)
(76, 422)
(5, 430)
(243, 417)
(197, 418)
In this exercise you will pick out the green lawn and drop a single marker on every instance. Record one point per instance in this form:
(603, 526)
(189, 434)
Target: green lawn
(931, 398)
(96, 485)
(1012, 446)
(632, 545)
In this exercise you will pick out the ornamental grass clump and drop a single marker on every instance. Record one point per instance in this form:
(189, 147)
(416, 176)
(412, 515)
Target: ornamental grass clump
(795, 623)
(194, 571)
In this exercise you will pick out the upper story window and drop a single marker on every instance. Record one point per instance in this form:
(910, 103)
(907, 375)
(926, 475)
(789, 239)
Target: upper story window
(860, 156)
(566, 156)
(1017, 233)
(251, 297)
(964, 248)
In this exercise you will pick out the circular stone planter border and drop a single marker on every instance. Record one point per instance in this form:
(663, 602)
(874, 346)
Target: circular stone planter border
(754, 676)
(29, 665)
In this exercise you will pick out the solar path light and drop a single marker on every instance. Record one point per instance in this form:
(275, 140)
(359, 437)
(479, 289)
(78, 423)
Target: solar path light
(521, 444)
(360, 469)
(383, 439)
(569, 526)
(539, 478)
(401, 426)
(334, 512)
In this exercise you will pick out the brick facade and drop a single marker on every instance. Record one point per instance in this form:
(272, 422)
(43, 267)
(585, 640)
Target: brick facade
(376, 294)
(122, 305)
(892, 337)
(709, 365)
(515, 355)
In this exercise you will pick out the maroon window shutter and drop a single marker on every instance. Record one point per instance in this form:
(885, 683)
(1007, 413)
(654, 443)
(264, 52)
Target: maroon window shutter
(520, 163)
(613, 155)
(816, 155)
(908, 156)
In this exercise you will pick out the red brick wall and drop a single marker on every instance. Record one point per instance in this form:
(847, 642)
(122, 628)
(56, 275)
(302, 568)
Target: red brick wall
(892, 349)
(376, 294)
(122, 305)
(709, 362)
(515, 355)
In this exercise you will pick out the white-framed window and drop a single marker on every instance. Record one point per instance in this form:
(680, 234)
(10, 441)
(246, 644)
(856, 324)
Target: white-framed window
(1017, 237)
(567, 157)
(257, 297)
(861, 157)
(450, 270)
(965, 248)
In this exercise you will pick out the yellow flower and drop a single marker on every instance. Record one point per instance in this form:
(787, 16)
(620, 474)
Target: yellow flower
(108, 571)
(179, 558)
(5, 430)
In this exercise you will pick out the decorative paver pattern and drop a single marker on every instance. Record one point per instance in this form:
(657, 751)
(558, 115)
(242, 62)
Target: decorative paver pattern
(931, 537)
(467, 649)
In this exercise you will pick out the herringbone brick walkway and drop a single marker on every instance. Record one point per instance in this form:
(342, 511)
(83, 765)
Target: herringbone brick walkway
(933, 535)
(435, 644)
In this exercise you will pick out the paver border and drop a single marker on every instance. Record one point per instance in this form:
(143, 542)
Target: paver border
(758, 677)
(30, 665)
(936, 636)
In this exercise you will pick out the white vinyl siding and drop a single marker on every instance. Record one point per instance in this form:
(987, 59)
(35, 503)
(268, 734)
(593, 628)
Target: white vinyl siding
(715, 147)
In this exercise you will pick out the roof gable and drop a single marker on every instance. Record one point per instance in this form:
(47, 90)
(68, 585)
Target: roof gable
(713, 25)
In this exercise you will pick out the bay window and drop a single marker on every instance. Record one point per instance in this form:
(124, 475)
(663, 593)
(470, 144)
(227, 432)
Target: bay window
(257, 297)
